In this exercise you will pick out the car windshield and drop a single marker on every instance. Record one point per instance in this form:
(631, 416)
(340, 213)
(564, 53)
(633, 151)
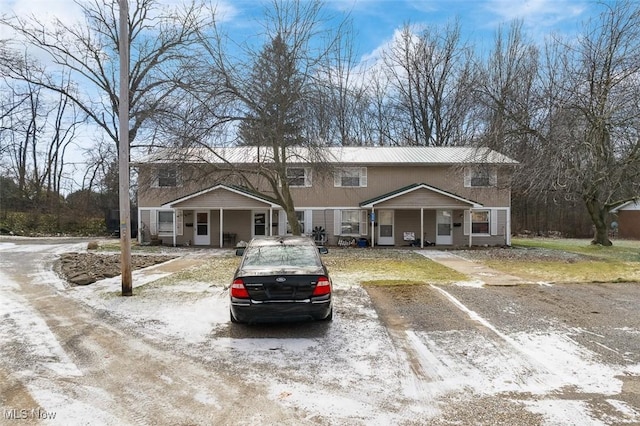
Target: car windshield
(281, 256)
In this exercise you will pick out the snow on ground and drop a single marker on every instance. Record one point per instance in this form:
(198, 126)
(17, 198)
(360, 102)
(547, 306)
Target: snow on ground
(349, 371)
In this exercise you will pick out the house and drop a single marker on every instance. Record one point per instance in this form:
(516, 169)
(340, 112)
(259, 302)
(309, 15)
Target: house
(628, 220)
(382, 196)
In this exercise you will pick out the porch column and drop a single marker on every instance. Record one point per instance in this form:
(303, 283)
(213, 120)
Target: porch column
(174, 226)
(139, 227)
(270, 221)
(470, 228)
(373, 227)
(221, 233)
(507, 230)
(421, 227)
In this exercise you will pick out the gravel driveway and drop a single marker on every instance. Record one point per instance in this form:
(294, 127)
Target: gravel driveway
(431, 354)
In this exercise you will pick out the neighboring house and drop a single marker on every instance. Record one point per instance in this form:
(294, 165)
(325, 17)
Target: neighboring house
(628, 220)
(390, 196)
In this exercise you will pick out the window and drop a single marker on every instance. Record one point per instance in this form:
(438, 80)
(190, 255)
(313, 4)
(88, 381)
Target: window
(480, 177)
(351, 177)
(299, 176)
(350, 224)
(165, 221)
(480, 222)
(167, 176)
(300, 217)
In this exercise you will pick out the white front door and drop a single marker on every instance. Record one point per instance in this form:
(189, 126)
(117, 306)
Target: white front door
(201, 231)
(260, 223)
(444, 228)
(385, 228)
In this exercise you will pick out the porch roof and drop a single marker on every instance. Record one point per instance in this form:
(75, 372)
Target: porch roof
(414, 187)
(244, 192)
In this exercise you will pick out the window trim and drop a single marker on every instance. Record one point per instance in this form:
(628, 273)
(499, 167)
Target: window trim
(307, 177)
(167, 168)
(471, 173)
(339, 174)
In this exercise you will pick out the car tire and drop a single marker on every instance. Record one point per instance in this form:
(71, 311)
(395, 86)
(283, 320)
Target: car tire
(232, 318)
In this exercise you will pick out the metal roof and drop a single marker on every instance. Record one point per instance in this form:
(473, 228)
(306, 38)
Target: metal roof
(336, 155)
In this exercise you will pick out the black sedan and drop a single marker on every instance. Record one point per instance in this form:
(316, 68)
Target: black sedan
(281, 279)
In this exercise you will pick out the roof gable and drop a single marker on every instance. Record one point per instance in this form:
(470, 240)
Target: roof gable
(193, 200)
(417, 187)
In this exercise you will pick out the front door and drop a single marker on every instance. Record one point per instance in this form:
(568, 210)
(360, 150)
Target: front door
(444, 230)
(259, 223)
(201, 235)
(385, 228)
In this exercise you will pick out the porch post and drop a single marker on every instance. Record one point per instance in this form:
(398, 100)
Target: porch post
(373, 227)
(221, 233)
(470, 228)
(421, 227)
(270, 221)
(174, 227)
(139, 227)
(508, 227)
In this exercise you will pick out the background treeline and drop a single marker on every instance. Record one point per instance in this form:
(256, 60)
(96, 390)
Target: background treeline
(567, 108)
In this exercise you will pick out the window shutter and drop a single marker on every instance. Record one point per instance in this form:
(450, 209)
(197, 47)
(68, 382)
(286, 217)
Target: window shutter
(493, 221)
(467, 178)
(337, 222)
(337, 178)
(282, 222)
(308, 177)
(493, 177)
(179, 222)
(153, 222)
(467, 222)
(308, 221)
(363, 222)
(363, 177)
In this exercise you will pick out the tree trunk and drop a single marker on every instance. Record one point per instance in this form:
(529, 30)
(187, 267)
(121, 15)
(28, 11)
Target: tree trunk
(598, 217)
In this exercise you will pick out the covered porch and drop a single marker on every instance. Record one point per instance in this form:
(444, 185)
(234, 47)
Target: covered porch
(422, 215)
(220, 216)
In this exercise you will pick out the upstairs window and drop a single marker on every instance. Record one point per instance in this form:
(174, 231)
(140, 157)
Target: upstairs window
(299, 176)
(480, 177)
(167, 176)
(351, 177)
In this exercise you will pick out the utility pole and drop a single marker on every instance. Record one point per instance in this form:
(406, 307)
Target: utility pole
(123, 153)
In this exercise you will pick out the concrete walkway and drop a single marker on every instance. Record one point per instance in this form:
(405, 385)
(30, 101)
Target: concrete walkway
(479, 274)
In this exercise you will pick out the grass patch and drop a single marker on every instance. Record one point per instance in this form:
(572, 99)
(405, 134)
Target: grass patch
(388, 265)
(217, 270)
(622, 250)
(391, 283)
(587, 271)
(617, 263)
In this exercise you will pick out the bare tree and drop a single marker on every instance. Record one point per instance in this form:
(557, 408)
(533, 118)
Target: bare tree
(160, 41)
(265, 96)
(433, 76)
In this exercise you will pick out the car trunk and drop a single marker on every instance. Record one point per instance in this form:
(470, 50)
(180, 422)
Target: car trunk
(280, 287)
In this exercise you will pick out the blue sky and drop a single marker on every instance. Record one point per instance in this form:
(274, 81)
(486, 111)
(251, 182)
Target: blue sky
(376, 20)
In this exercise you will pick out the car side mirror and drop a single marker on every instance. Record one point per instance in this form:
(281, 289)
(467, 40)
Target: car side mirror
(323, 250)
(239, 251)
